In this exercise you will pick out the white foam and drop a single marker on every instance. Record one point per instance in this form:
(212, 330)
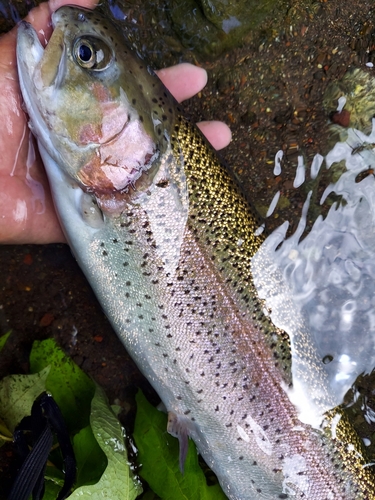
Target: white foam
(341, 101)
(260, 436)
(315, 165)
(278, 157)
(295, 473)
(273, 204)
(321, 290)
(243, 434)
(300, 173)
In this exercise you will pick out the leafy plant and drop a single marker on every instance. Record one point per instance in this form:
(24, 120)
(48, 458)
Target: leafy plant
(97, 436)
(3, 339)
(158, 453)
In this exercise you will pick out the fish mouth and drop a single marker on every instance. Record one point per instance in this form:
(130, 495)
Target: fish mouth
(29, 53)
(28, 36)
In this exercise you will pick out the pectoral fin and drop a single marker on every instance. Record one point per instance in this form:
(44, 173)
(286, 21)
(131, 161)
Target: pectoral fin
(179, 426)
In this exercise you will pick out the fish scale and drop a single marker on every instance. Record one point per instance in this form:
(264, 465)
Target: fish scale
(167, 247)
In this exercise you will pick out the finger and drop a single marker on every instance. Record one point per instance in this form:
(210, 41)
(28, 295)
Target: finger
(56, 4)
(217, 133)
(40, 19)
(40, 16)
(183, 80)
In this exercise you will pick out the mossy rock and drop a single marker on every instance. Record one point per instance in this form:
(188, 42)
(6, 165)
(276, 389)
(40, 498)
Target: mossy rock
(212, 26)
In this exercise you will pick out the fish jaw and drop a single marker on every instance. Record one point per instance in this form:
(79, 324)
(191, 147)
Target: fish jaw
(99, 140)
(112, 131)
(29, 54)
(40, 90)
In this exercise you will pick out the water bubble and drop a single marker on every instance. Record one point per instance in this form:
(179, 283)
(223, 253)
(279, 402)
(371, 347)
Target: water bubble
(327, 359)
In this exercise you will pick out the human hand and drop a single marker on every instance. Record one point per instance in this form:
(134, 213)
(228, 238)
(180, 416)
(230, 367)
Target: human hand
(27, 214)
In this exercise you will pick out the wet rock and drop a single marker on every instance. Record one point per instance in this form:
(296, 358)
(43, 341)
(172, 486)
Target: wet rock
(283, 116)
(212, 26)
(249, 118)
(341, 118)
(357, 87)
(13, 12)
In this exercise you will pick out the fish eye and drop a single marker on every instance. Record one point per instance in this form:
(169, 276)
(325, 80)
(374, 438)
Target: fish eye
(86, 55)
(92, 53)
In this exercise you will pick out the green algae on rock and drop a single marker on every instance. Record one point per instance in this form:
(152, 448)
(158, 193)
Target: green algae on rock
(211, 26)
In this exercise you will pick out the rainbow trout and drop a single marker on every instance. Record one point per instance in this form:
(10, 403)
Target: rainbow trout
(166, 239)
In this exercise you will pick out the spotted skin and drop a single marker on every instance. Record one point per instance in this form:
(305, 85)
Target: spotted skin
(169, 257)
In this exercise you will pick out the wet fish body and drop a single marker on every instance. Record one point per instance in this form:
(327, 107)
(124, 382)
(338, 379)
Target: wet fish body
(166, 238)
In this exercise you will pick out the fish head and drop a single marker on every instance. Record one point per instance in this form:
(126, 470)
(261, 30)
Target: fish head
(97, 109)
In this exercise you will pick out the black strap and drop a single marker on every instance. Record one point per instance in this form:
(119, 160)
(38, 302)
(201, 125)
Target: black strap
(45, 419)
(57, 423)
(33, 468)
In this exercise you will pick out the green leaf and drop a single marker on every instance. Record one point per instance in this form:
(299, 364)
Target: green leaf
(3, 339)
(54, 475)
(117, 480)
(17, 395)
(91, 460)
(158, 452)
(51, 490)
(5, 434)
(150, 495)
(71, 388)
(4, 431)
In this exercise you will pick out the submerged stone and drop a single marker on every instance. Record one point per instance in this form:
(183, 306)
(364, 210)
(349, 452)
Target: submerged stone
(212, 26)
